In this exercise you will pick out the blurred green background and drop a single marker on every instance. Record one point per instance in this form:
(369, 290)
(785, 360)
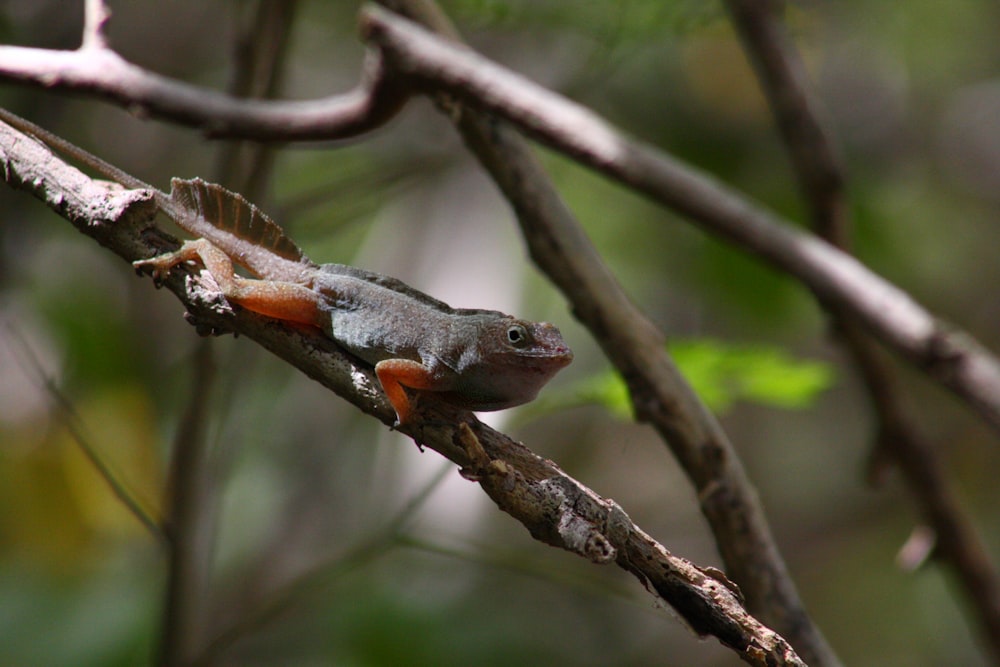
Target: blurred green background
(335, 541)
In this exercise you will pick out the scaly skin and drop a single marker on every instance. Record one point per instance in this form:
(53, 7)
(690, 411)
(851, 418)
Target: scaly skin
(473, 359)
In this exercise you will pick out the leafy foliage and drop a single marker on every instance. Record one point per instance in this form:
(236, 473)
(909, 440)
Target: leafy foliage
(622, 22)
(722, 374)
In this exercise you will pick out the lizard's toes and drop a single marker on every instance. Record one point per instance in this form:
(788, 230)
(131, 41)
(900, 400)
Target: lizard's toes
(144, 266)
(158, 267)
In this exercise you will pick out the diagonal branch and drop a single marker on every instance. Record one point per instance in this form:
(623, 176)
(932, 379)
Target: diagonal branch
(948, 355)
(798, 114)
(799, 119)
(555, 508)
(660, 394)
(78, 432)
(103, 73)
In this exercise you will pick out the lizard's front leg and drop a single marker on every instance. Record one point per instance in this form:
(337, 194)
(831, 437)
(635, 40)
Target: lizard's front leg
(282, 300)
(394, 374)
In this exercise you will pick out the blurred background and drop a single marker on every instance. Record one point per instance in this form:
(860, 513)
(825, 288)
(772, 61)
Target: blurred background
(335, 541)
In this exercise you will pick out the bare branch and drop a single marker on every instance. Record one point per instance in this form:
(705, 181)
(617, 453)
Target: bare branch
(659, 392)
(78, 432)
(95, 16)
(946, 354)
(809, 142)
(635, 345)
(958, 541)
(797, 111)
(555, 508)
(190, 519)
(259, 56)
(103, 73)
(258, 65)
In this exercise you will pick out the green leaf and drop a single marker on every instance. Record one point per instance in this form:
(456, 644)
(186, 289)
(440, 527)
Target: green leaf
(721, 374)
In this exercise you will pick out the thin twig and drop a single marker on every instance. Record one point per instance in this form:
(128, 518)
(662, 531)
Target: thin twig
(194, 506)
(958, 543)
(191, 522)
(821, 178)
(257, 613)
(95, 16)
(77, 430)
(260, 53)
(798, 115)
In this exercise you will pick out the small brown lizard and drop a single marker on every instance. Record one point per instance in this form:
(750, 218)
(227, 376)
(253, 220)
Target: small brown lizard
(472, 359)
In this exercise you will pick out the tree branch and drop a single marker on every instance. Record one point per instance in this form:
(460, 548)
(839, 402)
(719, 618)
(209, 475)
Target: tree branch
(95, 18)
(660, 394)
(103, 73)
(555, 508)
(810, 145)
(948, 355)
(797, 112)
(193, 498)
(191, 515)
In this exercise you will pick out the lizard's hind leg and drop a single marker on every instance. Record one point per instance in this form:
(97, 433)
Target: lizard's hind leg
(278, 299)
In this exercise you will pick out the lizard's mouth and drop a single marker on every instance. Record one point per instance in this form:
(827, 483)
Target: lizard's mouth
(550, 361)
(560, 356)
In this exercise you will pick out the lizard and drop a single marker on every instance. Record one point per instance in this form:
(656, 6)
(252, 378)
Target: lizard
(474, 359)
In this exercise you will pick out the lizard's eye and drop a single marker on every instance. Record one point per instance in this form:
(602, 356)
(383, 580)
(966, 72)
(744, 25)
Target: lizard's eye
(517, 335)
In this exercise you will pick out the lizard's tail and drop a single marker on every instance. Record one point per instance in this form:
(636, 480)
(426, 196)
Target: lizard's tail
(72, 151)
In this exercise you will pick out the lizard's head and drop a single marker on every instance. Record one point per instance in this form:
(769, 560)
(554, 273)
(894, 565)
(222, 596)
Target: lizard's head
(511, 362)
(534, 344)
